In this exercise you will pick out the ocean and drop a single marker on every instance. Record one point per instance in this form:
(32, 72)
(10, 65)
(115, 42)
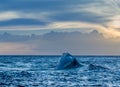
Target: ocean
(40, 71)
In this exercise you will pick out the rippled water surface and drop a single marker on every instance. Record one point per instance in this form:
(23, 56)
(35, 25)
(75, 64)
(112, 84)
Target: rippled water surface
(40, 71)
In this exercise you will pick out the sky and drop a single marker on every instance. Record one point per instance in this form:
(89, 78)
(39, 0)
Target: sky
(50, 27)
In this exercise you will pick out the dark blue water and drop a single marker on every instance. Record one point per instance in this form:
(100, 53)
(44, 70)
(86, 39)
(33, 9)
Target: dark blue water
(40, 71)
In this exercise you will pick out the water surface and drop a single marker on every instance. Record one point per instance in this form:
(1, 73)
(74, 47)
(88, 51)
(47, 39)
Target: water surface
(40, 71)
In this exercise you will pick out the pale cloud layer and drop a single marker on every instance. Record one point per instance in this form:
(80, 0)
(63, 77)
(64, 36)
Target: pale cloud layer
(108, 32)
(8, 16)
(52, 43)
(11, 48)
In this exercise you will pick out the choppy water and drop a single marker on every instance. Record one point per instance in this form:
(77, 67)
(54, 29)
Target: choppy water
(40, 71)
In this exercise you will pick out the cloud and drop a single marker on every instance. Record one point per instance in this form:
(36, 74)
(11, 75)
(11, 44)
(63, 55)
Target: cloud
(90, 15)
(11, 48)
(108, 32)
(32, 5)
(8, 15)
(59, 10)
(76, 43)
(114, 23)
(114, 4)
(51, 11)
(15, 18)
(22, 22)
(60, 15)
(92, 43)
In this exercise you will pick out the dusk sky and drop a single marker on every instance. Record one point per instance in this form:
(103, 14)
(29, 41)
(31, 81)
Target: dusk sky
(51, 27)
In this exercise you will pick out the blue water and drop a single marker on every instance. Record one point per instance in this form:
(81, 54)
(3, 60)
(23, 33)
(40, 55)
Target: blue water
(40, 71)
